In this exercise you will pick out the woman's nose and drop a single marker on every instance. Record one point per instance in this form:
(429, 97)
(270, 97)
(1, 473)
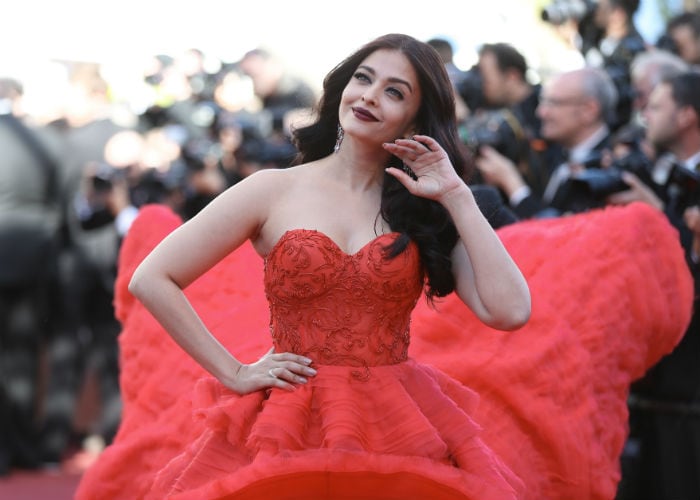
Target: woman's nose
(369, 96)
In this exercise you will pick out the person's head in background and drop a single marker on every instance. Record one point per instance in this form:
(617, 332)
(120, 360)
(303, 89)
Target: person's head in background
(575, 104)
(504, 75)
(684, 31)
(615, 17)
(649, 69)
(672, 116)
(444, 49)
(264, 68)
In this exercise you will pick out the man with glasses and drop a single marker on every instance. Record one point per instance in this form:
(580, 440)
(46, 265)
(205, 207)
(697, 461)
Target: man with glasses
(575, 109)
(662, 456)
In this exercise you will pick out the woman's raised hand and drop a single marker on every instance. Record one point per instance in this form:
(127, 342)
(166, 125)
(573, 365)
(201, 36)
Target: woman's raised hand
(435, 176)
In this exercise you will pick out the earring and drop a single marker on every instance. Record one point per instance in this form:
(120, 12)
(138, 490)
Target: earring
(339, 139)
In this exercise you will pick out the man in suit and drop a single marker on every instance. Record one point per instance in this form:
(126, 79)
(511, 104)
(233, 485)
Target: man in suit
(505, 85)
(611, 41)
(662, 458)
(575, 108)
(84, 341)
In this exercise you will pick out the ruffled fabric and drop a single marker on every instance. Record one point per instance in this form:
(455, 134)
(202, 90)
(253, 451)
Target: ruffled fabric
(350, 313)
(407, 420)
(611, 296)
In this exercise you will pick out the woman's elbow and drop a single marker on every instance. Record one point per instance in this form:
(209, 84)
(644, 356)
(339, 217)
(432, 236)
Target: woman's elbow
(517, 319)
(516, 316)
(137, 283)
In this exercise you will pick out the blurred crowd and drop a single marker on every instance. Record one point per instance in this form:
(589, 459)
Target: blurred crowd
(70, 188)
(622, 128)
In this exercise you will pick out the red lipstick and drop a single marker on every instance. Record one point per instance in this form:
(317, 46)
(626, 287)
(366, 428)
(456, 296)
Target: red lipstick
(363, 114)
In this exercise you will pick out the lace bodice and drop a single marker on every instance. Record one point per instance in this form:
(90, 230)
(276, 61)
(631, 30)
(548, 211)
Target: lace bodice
(341, 309)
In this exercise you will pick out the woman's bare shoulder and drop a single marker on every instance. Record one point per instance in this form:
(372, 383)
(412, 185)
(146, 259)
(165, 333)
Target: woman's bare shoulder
(264, 189)
(275, 176)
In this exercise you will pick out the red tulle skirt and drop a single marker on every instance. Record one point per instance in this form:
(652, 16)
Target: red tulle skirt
(611, 295)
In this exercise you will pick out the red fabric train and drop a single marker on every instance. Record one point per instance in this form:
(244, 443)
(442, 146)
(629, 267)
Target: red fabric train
(611, 295)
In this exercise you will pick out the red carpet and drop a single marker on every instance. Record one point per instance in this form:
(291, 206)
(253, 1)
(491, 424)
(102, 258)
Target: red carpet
(54, 485)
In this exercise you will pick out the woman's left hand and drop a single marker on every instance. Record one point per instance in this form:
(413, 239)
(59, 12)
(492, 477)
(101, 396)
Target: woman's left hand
(435, 175)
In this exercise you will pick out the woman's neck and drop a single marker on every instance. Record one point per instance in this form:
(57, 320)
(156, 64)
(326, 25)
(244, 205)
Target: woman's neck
(360, 169)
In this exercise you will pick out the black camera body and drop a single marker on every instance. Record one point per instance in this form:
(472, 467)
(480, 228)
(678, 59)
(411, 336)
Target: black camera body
(682, 188)
(104, 176)
(590, 187)
(499, 129)
(470, 88)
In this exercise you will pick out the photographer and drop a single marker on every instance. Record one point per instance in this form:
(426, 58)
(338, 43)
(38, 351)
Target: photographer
(138, 169)
(647, 70)
(683, 31)
(505, 85)
(575, 108)
(29, 235)
(615, 49)
(608, 39)
(663, 453)
(457, 76)
(279, 89)
(617, 40)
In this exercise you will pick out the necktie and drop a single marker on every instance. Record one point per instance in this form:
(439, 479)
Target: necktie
(558, 177)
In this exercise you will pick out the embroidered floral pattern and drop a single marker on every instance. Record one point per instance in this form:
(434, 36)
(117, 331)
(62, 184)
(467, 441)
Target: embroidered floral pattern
(341, 309)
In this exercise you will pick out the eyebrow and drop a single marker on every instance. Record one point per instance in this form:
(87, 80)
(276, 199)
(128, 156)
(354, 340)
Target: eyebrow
(391, 79)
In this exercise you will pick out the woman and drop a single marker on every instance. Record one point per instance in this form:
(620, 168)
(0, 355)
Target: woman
(375, 212)
(372, 423)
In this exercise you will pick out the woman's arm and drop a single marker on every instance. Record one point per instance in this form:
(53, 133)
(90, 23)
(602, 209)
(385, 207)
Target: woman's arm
(189, 251)
(487, 279)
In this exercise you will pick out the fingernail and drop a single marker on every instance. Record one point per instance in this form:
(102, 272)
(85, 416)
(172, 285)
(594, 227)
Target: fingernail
(302, 380)
(311, 371)
(307, 361)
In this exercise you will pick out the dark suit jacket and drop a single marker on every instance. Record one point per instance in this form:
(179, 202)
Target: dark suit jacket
(534, 206)
(491, 204)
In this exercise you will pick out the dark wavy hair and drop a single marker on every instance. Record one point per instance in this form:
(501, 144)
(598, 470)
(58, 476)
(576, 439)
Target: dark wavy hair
(424, 221)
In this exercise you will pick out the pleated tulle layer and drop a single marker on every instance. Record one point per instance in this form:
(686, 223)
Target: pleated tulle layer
(611, 295)
(406, 419)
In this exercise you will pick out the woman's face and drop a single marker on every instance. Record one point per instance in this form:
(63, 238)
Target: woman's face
(381, 100)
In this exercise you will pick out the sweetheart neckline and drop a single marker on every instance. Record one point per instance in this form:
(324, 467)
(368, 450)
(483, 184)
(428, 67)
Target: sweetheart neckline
(288, 232)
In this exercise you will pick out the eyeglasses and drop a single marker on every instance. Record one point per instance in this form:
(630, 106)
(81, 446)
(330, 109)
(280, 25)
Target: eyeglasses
(558, 103)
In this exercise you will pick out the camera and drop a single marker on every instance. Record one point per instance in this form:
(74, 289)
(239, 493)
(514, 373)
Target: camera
(470, 88)
(499, 129)
(561, 11)
(103, 176)
(590, 187)
(683, 188)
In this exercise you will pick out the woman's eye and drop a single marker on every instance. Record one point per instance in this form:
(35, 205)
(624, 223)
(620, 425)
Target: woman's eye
(395, 92)
(361, 76)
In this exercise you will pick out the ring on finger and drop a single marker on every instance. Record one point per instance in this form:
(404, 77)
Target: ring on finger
(271, 374)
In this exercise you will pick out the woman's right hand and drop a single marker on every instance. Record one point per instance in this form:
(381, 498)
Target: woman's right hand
(284, 370)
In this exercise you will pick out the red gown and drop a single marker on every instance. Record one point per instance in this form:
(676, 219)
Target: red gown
(611, 295)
